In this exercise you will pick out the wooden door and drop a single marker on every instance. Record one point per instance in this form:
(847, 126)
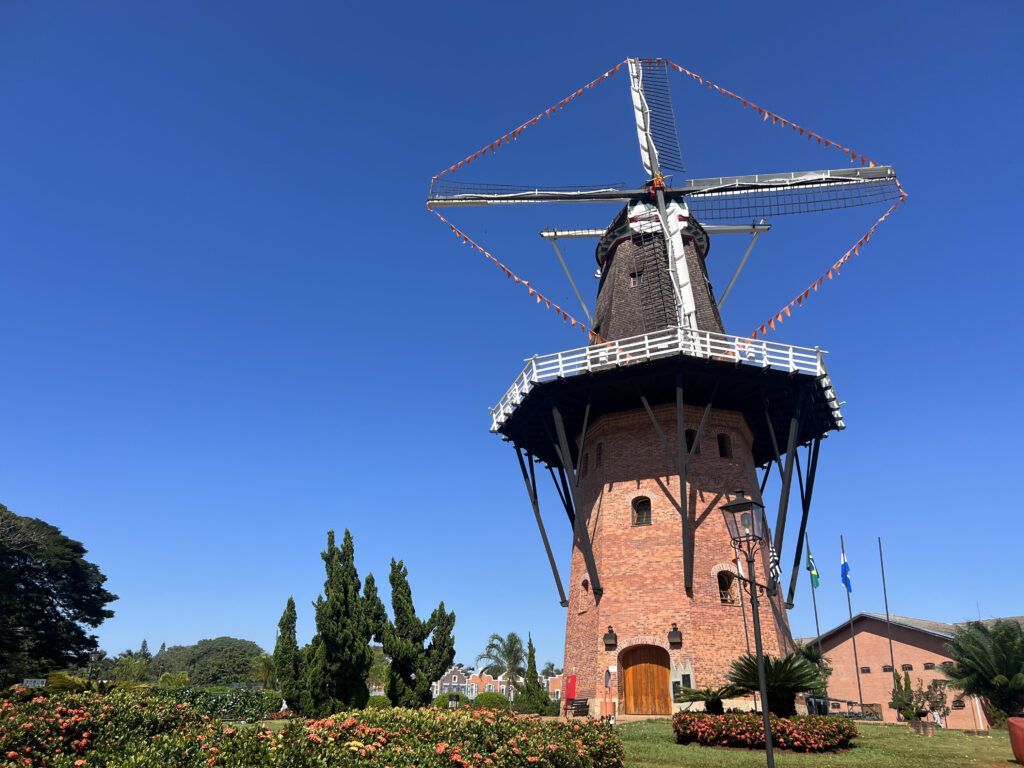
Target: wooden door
(645, 675)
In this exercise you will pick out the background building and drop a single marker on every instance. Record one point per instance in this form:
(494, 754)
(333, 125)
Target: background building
(918, 647)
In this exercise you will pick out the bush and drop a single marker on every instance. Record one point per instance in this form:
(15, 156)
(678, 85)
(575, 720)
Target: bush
(538, 705)
(490, 700)
(240, 704)
(148, 732)
(378, 702)
(441, 700)
(800, 734)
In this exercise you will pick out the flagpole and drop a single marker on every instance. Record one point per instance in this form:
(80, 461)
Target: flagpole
(817, 627)
(849, 608)
(888, 624)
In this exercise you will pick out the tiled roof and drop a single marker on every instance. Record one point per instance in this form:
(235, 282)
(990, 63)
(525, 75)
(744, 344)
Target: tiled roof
(941, 628)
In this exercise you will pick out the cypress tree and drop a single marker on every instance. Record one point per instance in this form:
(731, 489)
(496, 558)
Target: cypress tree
(287, 659)
(413, 667)
(531, 698)
(340, 656)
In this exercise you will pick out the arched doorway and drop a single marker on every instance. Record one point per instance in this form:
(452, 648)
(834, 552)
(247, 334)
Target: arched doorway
(645, 681)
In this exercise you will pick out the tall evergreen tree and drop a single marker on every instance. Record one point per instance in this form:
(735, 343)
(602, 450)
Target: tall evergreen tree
(413, 667)
(531, 698)
(287, 658)
(144, 650)
(340, 657)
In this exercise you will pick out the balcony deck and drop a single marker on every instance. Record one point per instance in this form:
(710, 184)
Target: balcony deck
(748, 367)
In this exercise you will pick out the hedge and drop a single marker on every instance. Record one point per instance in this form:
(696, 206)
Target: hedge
(815, 733)
(88, 729)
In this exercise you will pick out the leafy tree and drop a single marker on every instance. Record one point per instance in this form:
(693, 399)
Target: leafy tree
(221, 661)
(531, 698)
(49, 593)
(288, 659)
(131, 668)
(550, 670)
(340, 656)
(379, 670)
(784, 679)
(414, 667)
(988, 661)
(504, 657)
(903, 699)
(712, 697)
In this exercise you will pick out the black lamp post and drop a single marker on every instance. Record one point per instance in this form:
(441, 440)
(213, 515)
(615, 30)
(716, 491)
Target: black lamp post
(745, 520)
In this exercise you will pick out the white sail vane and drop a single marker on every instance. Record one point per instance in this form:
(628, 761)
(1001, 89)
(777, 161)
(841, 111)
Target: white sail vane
(648, 152)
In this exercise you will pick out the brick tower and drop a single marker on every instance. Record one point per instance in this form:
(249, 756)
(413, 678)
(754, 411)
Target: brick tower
(653, 599)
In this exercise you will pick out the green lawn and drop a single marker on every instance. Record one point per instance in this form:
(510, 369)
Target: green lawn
(651, 744)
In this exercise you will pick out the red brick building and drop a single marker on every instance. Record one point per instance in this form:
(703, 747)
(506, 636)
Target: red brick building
(918, 647)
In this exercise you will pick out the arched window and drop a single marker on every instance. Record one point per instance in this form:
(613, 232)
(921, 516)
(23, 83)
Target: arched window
(727, 588)
(584, 596)
(725, 446)
(597, 455)
(558, 694)
(691, 437)
(641, 511)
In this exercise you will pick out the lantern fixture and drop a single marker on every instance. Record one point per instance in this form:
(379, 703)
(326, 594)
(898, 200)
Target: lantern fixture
(744, 518)
(675, 637)
(610, 640)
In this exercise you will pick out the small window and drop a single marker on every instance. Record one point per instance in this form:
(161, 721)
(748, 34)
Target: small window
(835, 705)
(558, 694)
(635, 279)
(865, 670)
(584, 596)
(585, 467)
(691, 437)
(641, 511)
(597, 455)
(725, 446)
(907, 667)
(887, 668)
(929, 665)
(489, 688)
(958, 704)
(455, 678)
(727, 588)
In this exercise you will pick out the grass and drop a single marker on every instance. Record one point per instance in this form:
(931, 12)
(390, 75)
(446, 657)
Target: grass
(651, 744)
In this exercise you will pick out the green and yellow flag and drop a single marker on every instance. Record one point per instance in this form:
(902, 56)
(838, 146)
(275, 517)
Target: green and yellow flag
(812, 568)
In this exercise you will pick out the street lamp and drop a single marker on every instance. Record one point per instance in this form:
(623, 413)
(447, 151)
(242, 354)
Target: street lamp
(745, 520)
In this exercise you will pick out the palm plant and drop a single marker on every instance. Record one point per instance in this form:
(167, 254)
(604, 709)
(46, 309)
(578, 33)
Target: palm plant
(263, 671)
(988, 661)
(784, 679)
(504, 656)
(712, 697)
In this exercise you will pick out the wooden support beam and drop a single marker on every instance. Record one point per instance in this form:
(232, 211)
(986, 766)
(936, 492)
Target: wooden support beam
(805, 502)
(530, 478)
(787, 473)
(580, 533)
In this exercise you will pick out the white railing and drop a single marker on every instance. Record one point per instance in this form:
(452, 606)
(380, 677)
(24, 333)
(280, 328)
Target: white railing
(664, 343)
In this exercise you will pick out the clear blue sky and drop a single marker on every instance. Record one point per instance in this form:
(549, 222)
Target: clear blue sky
(229, 324)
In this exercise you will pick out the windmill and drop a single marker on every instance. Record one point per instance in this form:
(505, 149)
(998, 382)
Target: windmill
(610, 420)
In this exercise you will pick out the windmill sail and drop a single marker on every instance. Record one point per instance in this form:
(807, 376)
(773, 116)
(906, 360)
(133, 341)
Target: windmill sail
(655, 118)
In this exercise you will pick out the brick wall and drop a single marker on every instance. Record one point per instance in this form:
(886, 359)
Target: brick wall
(641, 567)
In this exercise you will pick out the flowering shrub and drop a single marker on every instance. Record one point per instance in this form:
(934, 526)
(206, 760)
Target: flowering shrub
(800, 734)
(90, 730)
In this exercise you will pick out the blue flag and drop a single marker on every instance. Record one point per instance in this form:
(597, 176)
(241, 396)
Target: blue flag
(846, 572)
